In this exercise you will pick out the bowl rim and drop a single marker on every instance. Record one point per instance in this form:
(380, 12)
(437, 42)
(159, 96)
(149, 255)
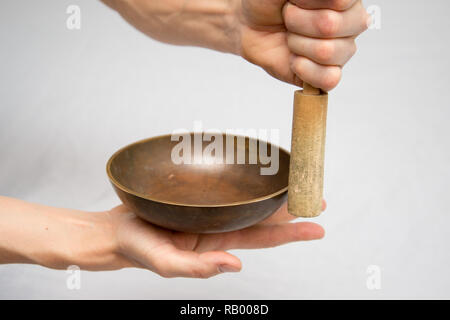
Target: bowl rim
(143, 196)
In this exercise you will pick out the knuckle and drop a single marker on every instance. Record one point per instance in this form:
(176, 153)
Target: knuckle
(200, 273)
(331, 78)
(341, 4)
(162, 270)
(353, 49)
(165, 274)
(366, 19)
(298, 65)
(290, 38)
(328, 23)
(289, 15)
(325, 51)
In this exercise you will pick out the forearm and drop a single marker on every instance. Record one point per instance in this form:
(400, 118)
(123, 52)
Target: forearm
(204, 23)
(56, 238)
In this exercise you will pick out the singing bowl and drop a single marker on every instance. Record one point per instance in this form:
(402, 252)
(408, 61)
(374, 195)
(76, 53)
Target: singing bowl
(198, 197)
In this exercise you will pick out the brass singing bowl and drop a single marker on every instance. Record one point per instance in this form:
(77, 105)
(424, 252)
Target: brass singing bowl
(206, 197)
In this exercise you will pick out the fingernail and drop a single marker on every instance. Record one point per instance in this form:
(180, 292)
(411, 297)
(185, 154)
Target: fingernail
(227, 268)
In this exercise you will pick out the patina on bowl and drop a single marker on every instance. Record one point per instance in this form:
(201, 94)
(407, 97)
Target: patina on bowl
(207, 197)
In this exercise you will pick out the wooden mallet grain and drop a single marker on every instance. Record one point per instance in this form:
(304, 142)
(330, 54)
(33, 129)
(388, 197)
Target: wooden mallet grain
(305, 191)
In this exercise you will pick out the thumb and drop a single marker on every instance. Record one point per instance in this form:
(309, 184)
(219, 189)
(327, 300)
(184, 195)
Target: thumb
(181, 263)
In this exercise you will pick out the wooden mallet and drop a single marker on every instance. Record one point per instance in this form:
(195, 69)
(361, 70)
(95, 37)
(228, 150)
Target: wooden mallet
(305, 190)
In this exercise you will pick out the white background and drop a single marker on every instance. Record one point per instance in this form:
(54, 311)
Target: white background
(69, 99)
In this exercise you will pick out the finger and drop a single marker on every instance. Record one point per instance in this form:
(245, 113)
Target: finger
(261, 236)
(171, 262)
(150, 247)
(325, 23)
(338, 5)
(276, 235)
(282, 215)
(319, 76)
(335, 52)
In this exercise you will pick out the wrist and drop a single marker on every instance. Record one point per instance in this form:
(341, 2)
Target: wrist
(211, 24)
(232, 25)
(91, 243)
(57, 238)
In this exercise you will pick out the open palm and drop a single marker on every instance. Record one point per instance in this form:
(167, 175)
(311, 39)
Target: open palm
(178, 254)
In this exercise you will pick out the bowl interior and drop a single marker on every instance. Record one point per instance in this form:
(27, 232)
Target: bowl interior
(238, 169)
